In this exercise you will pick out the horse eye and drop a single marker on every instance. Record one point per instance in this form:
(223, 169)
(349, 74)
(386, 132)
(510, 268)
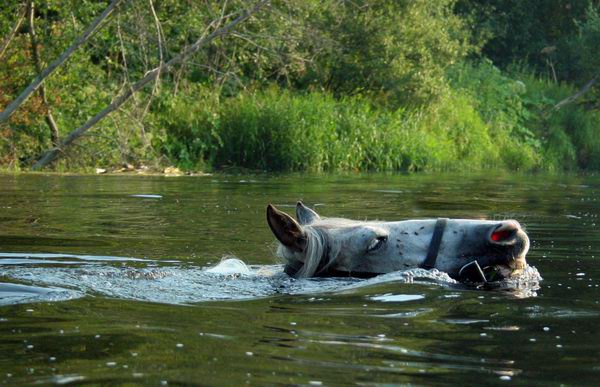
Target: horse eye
(377, 243)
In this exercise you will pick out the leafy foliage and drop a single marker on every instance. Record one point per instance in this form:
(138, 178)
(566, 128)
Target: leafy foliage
(311, 85)
(275, 129)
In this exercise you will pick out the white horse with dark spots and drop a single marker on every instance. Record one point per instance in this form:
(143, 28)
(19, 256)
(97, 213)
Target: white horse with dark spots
(475, 251)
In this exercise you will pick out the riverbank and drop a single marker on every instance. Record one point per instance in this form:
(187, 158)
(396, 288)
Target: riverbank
(484, 120)
(436, 86)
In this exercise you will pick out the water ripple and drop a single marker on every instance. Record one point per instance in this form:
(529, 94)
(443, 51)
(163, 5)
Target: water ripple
(172, 282)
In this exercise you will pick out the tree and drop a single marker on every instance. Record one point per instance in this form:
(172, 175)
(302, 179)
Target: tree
(219, 31)
(35, 84)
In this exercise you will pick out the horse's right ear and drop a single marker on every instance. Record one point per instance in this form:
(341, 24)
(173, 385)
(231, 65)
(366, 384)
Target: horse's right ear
(286, 229)
(305, 215)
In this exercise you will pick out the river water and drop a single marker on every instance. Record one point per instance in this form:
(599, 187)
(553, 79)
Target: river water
(103, 280)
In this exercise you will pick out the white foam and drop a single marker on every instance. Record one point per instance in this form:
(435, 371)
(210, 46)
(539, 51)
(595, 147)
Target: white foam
(175, 283)
(230, 266)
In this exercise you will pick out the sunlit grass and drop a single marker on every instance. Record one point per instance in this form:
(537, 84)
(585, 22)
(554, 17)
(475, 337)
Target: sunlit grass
(468, 128)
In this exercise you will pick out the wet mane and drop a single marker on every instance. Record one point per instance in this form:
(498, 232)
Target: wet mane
(320, 253)
(339, 222)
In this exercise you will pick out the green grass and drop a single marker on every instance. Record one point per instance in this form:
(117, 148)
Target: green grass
(486, 120)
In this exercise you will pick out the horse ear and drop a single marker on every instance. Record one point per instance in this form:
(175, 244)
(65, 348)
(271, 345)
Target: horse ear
(305, 215)
(286, 229)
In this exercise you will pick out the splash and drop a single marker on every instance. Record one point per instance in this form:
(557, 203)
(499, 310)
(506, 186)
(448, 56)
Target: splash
(45, 277)
(524, 285)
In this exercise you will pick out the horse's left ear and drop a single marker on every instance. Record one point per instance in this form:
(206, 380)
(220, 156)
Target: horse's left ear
(286, 229)
(305, 215)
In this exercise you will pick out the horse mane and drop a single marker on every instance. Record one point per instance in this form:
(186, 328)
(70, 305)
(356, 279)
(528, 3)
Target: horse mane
(320, 253)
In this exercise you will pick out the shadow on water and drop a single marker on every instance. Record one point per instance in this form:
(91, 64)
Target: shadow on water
(146, 320)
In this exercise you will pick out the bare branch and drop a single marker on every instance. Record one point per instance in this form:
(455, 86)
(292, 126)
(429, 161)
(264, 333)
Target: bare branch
(575, 96)
(159, 38)
(4, 115)
(125, 66)
(13, 31)
(50, 155)
(35, 55)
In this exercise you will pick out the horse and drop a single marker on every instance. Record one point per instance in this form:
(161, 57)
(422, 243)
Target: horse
(471, 251)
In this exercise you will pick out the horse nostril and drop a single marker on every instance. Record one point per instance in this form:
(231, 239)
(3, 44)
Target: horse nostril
(505, 232)
(500, 236)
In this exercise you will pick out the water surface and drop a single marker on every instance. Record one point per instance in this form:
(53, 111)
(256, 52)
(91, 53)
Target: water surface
(103, 281)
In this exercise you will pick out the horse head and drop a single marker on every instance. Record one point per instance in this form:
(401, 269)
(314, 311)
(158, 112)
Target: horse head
(468, 250)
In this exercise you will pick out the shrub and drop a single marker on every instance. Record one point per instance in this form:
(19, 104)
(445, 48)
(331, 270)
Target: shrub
(276, 129)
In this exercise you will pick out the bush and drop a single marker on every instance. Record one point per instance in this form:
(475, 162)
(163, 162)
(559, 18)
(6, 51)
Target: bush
(396, 52)
(276, 129)
(568, 135)
(500, 101)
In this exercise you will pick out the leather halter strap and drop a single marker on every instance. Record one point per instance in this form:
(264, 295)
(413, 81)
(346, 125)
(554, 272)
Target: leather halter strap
(434, 245)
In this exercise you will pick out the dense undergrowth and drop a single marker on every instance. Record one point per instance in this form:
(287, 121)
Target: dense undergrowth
(485, 119)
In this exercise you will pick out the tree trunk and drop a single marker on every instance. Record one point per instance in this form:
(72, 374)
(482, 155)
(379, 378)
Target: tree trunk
(5, 115)
(53, 153)
(38, 68)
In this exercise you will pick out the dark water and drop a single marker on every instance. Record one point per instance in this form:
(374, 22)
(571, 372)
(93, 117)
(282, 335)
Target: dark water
(75, 308)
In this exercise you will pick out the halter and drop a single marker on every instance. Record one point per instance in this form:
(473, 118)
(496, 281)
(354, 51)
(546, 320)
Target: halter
(470, 273)
(434, 245)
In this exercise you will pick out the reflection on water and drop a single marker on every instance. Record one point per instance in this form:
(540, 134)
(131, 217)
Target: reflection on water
(11, 293)
(142, 319)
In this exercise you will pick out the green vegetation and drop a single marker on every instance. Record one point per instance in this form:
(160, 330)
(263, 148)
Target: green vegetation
(386, 85)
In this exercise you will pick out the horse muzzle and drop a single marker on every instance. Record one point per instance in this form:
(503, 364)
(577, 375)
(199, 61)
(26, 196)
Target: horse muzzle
(508, 245)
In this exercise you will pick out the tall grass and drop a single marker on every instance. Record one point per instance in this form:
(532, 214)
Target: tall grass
(486, 119)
